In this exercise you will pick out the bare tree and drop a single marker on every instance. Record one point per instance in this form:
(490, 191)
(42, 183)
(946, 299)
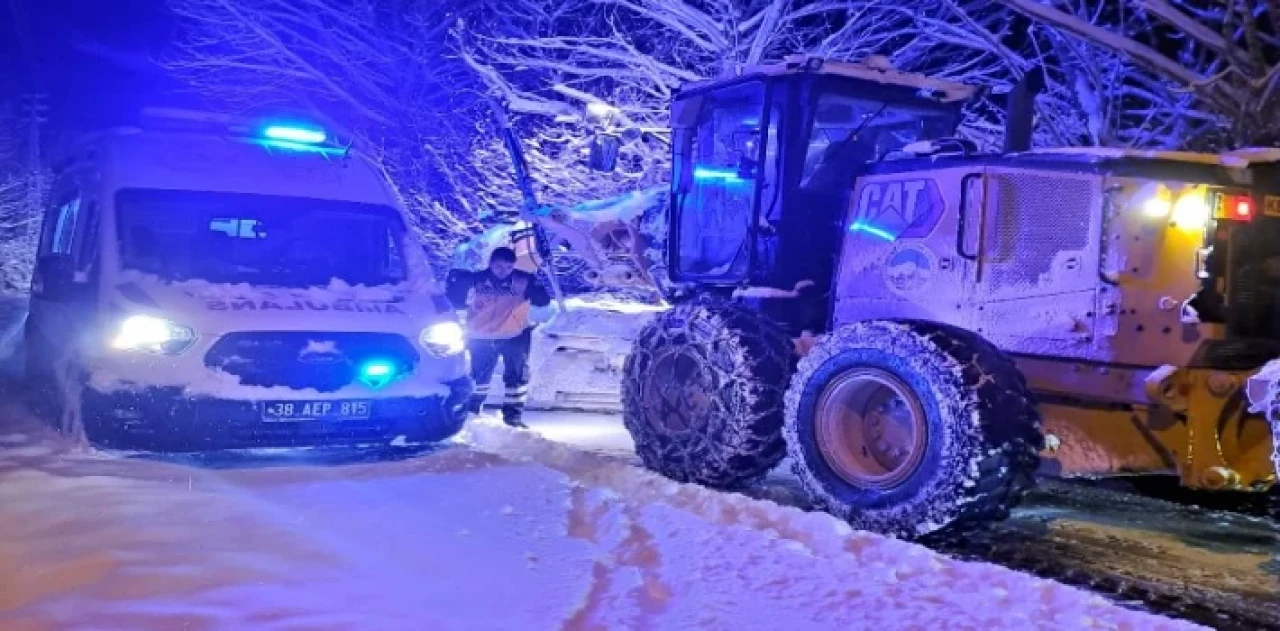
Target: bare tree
(375, 70)
(408, 79)
(19, 216)
(552, 60)
(1216, 61)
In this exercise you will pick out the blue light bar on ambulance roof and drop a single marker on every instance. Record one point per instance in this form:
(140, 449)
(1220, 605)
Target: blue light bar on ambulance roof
(288, 133)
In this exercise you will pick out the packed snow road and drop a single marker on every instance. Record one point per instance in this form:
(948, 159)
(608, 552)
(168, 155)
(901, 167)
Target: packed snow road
(505, 531)
(1217, 568)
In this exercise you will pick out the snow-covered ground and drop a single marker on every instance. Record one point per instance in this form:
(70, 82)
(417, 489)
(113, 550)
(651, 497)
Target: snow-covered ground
(506, 531)
(499, 530)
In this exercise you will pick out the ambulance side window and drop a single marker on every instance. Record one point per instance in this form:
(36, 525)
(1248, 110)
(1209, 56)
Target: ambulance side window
(60, 224)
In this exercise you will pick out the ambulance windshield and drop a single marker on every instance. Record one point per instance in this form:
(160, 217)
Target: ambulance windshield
(259, 239)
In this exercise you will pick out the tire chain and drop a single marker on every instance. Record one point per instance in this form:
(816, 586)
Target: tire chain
(1010, 394)
(718, 327)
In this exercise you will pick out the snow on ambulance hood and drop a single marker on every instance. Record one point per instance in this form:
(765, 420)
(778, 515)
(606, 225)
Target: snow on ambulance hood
(215, 308)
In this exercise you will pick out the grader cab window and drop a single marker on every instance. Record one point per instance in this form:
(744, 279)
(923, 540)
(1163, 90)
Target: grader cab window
(849, 131)
(718, 139)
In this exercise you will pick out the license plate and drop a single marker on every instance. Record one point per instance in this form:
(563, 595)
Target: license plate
(276, 411)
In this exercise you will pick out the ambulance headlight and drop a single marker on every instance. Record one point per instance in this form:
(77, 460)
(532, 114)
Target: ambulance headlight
(443, 339)
(149, 334)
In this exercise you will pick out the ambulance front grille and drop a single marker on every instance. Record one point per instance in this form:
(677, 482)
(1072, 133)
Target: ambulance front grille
(323, 361)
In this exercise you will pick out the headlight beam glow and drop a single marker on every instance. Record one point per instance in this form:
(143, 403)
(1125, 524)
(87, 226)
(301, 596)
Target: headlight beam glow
(443, 339)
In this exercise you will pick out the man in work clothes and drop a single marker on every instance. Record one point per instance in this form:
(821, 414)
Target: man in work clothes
(497, 302)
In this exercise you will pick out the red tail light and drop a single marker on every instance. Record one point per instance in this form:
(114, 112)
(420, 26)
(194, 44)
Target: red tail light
(1234, 207)
(1242, 208)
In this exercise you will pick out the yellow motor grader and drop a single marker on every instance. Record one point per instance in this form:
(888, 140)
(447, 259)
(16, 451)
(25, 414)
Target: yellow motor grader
(920, 329)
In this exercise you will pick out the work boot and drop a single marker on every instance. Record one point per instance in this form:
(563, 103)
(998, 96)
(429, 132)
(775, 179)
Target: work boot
(514, 421)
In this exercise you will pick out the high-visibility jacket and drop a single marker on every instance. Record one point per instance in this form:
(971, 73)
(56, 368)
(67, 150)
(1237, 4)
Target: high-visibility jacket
(497, 308)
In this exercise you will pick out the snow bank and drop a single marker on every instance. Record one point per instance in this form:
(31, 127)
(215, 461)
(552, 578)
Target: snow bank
(750, 560)
(534, 536)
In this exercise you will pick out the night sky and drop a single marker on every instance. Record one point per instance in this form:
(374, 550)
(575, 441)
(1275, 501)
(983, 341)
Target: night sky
(92, 57)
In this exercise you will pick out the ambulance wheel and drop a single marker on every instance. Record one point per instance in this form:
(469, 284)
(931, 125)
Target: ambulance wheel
(905, 428)
(702, 393)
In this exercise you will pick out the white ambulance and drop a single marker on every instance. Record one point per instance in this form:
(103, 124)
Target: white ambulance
(208, 283)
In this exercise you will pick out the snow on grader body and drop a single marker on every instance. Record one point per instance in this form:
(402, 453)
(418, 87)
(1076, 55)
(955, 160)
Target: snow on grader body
(981, 317)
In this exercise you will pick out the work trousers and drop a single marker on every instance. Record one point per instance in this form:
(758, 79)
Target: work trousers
(514, 353)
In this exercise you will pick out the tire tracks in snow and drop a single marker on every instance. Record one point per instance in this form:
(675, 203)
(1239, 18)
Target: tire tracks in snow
(814, 533)
(643, 487)
(588, 515)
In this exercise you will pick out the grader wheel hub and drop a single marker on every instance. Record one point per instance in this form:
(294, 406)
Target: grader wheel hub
(677, 392)
(871, 429)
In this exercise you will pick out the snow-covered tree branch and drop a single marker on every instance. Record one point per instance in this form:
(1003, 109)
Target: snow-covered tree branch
(548, 59)
(19, 207)
(409, 79)
(1212, 65)
(375, 71)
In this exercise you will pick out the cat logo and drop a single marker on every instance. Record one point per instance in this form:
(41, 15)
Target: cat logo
(904, 209)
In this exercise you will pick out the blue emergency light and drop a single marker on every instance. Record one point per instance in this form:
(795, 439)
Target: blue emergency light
(377, 373)
(287, 133)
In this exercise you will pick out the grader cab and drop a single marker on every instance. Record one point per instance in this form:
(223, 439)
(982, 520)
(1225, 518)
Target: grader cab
(922, 329)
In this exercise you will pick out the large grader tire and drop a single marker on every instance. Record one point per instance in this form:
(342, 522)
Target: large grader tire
(906, 428)
(702, 393)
